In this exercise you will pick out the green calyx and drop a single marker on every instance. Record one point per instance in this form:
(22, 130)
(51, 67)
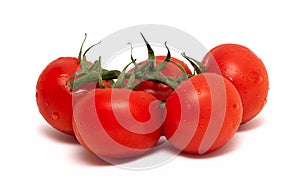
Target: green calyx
(91, 72)
(197, 65)
(149, 71)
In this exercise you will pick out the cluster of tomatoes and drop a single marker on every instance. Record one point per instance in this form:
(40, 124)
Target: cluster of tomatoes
(119, 114)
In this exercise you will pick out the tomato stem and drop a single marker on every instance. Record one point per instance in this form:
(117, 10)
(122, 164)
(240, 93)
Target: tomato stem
(197, 65)
(94, 76)
(100, 80)
(151, 55)
(120, 81)
(90, 72)
(149, 70)
(81, 47)
(184, 74)
(166, 61)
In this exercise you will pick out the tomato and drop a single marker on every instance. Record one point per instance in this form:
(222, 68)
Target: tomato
(159, 90)
(117, 122)
(202, 114)
(245, 70)
(53, 94)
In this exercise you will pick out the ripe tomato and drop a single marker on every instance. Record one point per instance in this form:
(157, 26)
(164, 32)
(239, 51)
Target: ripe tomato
(117, 123)
(53, 94)
(162, 91)
(203, 113)
(245, 70)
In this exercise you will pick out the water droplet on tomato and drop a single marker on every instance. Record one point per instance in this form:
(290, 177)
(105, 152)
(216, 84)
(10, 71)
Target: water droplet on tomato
(64, 75)
(258, 79)
(236, 106)
(230, 78)
(188, 106)
(230, 50)
(55, 115)
(265, 101)
(142, 97)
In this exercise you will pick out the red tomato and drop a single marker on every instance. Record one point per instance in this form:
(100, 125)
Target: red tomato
(162, 91)
(117, 123)
(245, 70)
(203, 113)
(54, 96)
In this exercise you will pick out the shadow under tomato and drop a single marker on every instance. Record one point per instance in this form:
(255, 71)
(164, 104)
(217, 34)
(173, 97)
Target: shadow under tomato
(234, 143)
(253, 124)
(139, 158)
(231, 146)
(88, 158)
(55, 135)
(85, 157)
(80, 154)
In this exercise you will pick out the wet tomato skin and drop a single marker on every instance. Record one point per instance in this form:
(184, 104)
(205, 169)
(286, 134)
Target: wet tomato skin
(117, 122)
(54, 97)
(202, 114)
(245, 70)
(159, 90)
(53, 94)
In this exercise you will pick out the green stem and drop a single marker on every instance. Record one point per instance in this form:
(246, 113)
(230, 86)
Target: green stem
(198, 66)
(100, 81)
(120, 81)
(90, 73)
(166, 61)
(156, 77)
(91, 77)
(81, 47)
(94, 76)
(151, 55)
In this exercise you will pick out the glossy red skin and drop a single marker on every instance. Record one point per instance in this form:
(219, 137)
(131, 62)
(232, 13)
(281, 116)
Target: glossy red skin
(203, 114)
(53, 95)
(162, 91)
(78, 136)
(99, 128)
(245, 70)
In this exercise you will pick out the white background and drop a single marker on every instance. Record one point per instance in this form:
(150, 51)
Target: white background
(263, 155)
